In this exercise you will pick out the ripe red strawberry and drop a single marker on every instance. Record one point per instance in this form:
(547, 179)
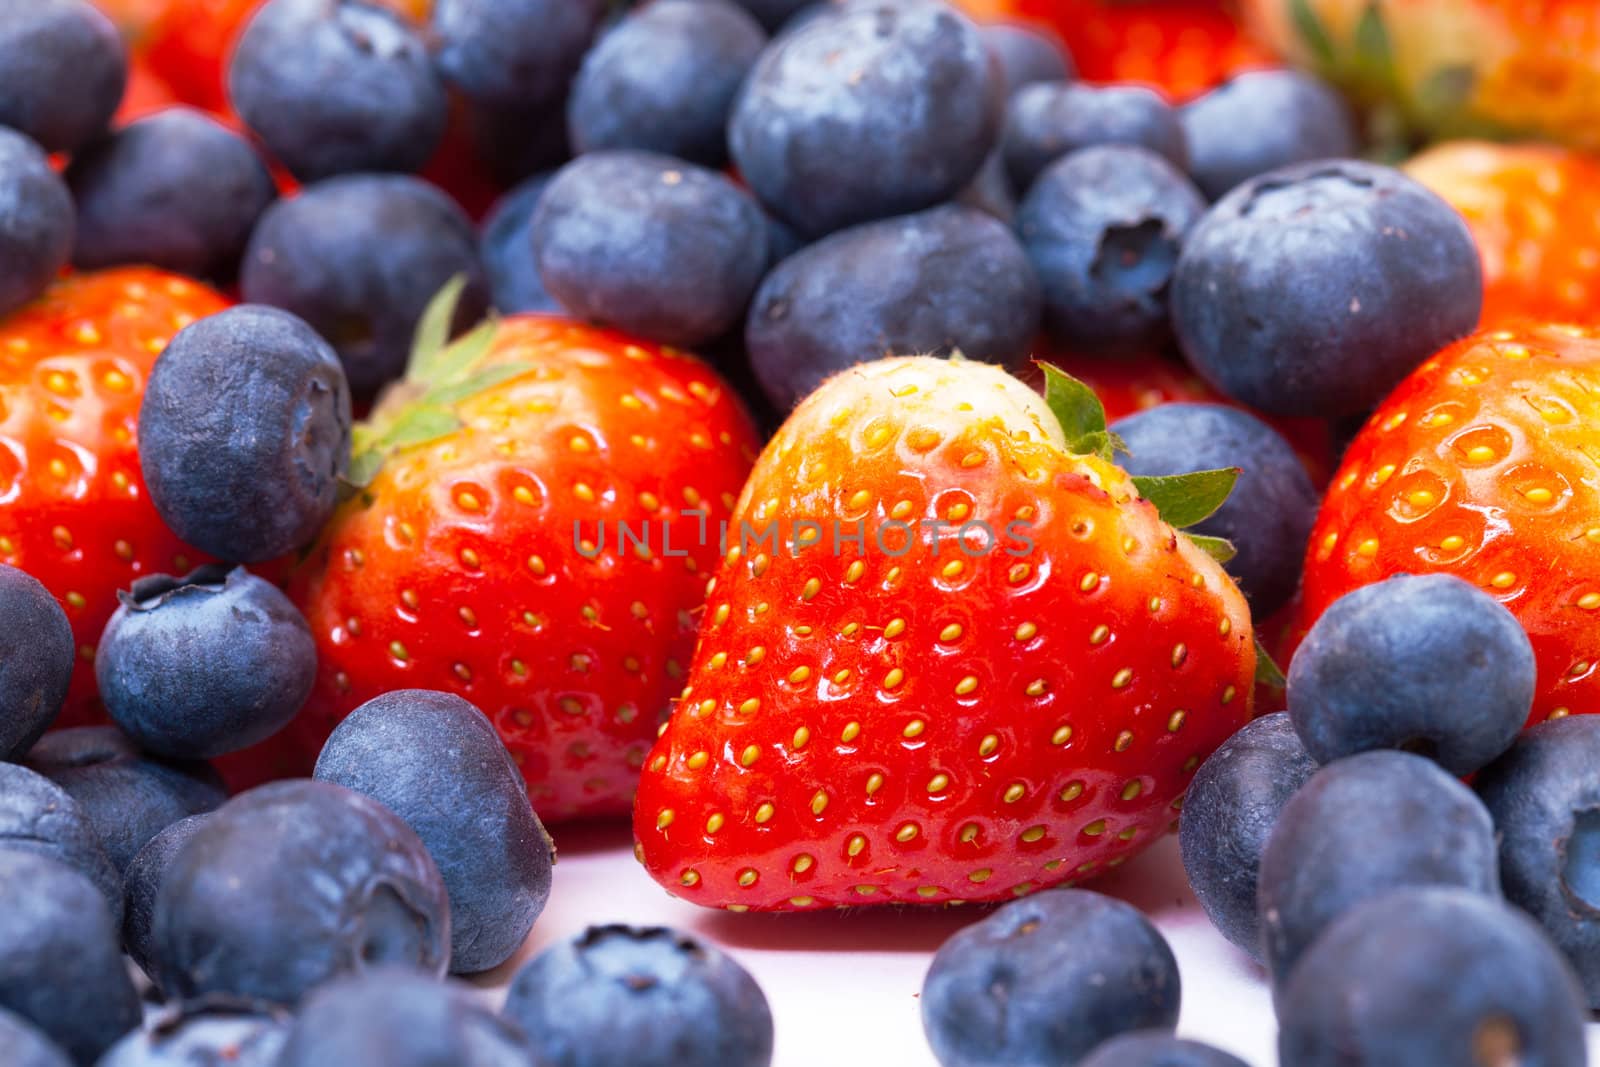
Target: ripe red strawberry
(1482, 465)
(873, 723)
(1182, 46)
(1534, 212)
(459, 566)
(73, 509)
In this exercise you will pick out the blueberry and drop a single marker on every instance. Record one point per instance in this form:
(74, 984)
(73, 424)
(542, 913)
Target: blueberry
(1544, 797)
(1262, 120)
(199, 666)
(439, 764)
(772, 14)
(1047, 121)
(646, 997)
(1314, 289)
(291, 884)
(1269, 514)
(1228, 812)
(650, 245)
(359, 258)
(937, 281)
(36, 657)
(506, 248)
(36, 815)
(1429, 664)
(865, 112)
(390, 1017)
(1027, 54)
(203, 1034)
(664, 80)
(514, 52)
(63, 970)
(25, 1045)
(1432, 976)
(244, 433)
(36, 220)
(127, 796)
(1156, 1049)
(176, 190)
(990, 191)
(782, 241)
(337, 86)
(1046, 979)
(1359, 827)
(65, 71)
(1103, 228)
(142, 881)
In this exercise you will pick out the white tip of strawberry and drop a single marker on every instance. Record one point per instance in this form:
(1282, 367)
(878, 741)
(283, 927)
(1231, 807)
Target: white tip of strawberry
(916, 382)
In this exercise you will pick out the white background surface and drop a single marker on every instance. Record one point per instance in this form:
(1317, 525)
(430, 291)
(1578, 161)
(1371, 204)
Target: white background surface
(843, 985)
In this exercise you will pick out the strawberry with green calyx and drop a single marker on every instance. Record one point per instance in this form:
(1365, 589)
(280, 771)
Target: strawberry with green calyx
(486, 548)
(994, 672)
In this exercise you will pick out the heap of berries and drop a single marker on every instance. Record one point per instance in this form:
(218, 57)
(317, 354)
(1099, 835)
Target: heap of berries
(422, 421)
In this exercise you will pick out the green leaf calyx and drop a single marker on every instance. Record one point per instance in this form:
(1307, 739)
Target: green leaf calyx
(441, 373)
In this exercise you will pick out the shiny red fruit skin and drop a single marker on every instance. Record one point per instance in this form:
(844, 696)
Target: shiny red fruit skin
(865, 728)
(1482, 465)
(1534, 213)
(457, 569)
(146, 94)
(1182, 47)
(73, 509)
(188, 47)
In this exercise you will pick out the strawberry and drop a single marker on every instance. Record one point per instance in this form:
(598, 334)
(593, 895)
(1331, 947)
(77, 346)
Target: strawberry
(911, 718)
(1534, 211)
(460, 566)
(1482, 465)
(73, 509)
(1181, 46)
